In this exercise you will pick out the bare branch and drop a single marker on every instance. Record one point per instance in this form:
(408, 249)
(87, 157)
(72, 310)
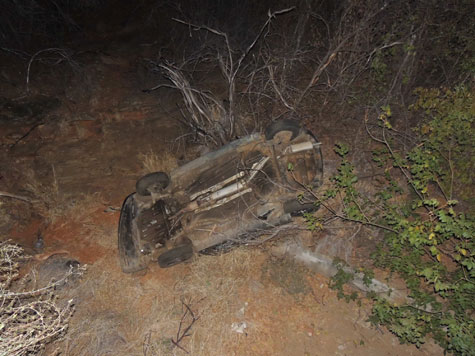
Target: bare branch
(181, 334)
(230, 68)
(64, 55)
(14, 196)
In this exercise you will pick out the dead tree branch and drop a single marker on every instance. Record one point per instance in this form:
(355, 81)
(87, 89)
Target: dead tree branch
(204, 110)
(229, 67)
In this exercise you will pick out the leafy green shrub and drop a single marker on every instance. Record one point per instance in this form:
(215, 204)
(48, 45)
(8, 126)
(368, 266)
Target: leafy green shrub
(446, 155)
(429, 236)
(338, 281)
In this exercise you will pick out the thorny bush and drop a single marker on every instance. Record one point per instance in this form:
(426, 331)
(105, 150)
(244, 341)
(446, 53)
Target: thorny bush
(29, 319)
(428, 234)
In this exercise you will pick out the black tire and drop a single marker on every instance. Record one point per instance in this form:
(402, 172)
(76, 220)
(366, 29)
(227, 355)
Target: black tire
(295, 208)
(130, 258)
(175, 256)
(282, 125)
(152, 182)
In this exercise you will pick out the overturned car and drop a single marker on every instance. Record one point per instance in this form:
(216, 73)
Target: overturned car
(223, 198)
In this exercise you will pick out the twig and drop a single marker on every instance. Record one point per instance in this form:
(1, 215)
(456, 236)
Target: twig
(180, 335)
(276, 88)
(229, 67)
(338, 215)
(319, 71)
(14, 196)
(30, 130)
(21, 54)
(64, 55)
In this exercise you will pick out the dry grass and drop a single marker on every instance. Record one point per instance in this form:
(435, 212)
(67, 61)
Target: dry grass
(52, 203)
(152, 162)
(49, 202)
(5, 216)
(216, 281)
(95, 328)
(134, 315)
(212, 291)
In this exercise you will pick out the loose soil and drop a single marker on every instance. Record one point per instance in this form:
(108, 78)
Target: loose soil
(76, 144)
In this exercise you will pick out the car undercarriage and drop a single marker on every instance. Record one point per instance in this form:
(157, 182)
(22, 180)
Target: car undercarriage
(223, 198)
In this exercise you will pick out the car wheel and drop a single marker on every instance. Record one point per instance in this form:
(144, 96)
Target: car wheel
(130, 257)
(175, 256)
(152, 183)
(280, 126)
(296, 208)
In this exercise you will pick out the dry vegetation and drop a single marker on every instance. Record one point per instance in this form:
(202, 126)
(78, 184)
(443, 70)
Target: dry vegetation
(211, 290)
(333, 65)
(30, 318)
(52, 203)
(159, 320)
(155, 162)
(48, 201)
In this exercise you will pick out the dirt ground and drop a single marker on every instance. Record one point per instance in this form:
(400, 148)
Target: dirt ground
(78, 142)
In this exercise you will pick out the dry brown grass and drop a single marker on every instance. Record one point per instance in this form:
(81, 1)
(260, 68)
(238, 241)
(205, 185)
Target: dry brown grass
(5, 216)
(212, 290)
(142, 313)
(52, 203)
(95, 328)
(216, 281)
(153, 162)
(48, 201)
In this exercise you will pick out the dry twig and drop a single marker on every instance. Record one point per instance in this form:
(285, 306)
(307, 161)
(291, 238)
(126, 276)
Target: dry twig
(14, 196)
(182, 333)
(210, 119)
(63, 55)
